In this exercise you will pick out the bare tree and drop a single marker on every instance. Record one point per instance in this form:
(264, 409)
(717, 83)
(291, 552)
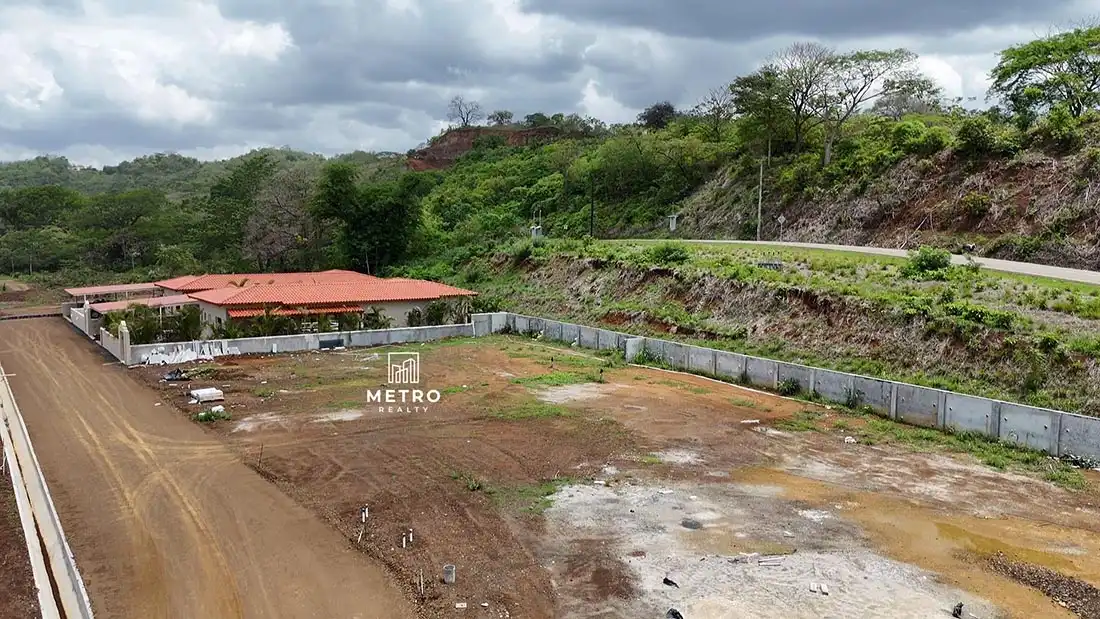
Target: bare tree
(465, 113)
(802, 69)
(716, 110)
(280, 222)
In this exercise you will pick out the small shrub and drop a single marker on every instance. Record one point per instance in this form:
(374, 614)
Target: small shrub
(976, 205)
(521, 252)
(976, 136)
(668, 253)
(927, 261)
(789, 387)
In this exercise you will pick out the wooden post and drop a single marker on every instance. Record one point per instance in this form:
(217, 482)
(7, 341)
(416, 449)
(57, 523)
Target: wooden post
(260, 459)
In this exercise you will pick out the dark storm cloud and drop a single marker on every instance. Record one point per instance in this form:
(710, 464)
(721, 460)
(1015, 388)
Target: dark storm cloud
(735, 20)
(112, 129)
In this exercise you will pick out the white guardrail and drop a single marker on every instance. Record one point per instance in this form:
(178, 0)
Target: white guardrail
(63, 596)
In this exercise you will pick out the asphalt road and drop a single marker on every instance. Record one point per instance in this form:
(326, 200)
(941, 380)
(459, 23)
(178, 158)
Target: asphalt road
(1023, 268)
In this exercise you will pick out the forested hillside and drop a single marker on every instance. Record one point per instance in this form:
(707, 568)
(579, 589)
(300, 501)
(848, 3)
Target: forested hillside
(856, 147)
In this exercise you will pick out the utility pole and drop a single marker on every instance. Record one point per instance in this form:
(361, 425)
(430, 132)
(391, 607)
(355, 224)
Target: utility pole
(592, 214)
(759, 199)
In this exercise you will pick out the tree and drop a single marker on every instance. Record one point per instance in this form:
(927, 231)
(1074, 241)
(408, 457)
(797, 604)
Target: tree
(658, 115)
(801, 71)
(465, 113)
(762, 102)
(1062, 68)
(715, 110)
(376, 221)
(538, 119)
(896, 105)
(855, 79)
(500, 118)
(280, 223)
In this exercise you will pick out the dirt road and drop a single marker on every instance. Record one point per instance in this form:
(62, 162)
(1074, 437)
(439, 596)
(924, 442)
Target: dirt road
(164, 519)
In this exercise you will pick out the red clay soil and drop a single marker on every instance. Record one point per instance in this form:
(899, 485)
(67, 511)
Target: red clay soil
(163, 518)
(18, 596)
(466, 474)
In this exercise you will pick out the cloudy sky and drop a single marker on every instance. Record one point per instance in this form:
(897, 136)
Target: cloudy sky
(104, 80)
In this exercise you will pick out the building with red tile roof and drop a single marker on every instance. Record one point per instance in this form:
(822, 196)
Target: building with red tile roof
(329, 293)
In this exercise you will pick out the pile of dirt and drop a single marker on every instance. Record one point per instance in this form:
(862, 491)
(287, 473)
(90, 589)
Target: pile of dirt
(457, 142)
(1078, 596)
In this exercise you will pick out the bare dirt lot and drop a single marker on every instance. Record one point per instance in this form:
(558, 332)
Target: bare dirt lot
(163, 518)
(18, 597)
(563, 486)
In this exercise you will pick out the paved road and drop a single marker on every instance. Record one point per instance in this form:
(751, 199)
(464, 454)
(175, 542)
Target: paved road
(1023, 268)
(163, 518)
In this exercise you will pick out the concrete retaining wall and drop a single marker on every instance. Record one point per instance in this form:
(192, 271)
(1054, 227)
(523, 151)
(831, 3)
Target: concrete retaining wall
(111, 343)
(183, 352)
(1054, 432)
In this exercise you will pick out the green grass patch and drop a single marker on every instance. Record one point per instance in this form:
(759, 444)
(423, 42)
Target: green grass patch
(802, 421)
(529, 498)
(455, 389)
(263, 392)
(990, 452)
(210, 416)
(533, 410)
(685, 386)
(747, 403)
(651, 459)
(556, 379)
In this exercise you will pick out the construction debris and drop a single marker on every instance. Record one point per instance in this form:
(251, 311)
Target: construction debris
(208, 394)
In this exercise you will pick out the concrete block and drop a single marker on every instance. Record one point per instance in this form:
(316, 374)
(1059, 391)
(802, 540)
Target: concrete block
(833, 386)
(570, 333)
(655, 348)
(607, 340)
(967, 413)
(1029, 426)
(1080, 436)
(761, 372)
(872, 392)
(729, 365)
(801, 374)
(676, 355)
(552, 330)
(701, 359)
(919, 406)
(633, 346)
(589, 337)
(482, 324)
(523, 324)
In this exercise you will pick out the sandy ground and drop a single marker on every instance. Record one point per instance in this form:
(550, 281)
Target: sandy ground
(658, 476)
(18, 597)
(163, 518)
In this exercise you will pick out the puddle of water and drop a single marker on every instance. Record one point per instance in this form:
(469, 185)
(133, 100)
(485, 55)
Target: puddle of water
(574, 393)
(344, 415)
(678, 456)
(256, 422)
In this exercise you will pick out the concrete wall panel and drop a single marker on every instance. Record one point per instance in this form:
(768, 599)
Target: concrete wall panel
(607, 340)
(589, 337)
(970, 414)
(1080, 436)
(1029, 426)
(523, 324)
(676, 355)
(872, 392)
(570, 333)
(655, 348)
(919, 406)
(761, 372)
(632, 347)
(833, 386)
(701, 360)
(801, 374)
(729, 365)
(552, 330)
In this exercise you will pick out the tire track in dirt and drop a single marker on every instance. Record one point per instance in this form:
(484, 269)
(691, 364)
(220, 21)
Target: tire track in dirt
(165, 520)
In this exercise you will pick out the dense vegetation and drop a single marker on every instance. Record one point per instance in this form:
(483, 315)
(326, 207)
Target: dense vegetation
(816, 119)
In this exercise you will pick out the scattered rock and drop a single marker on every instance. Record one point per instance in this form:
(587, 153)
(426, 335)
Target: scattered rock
(1078, 596)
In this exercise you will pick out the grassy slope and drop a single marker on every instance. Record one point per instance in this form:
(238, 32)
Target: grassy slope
(1013, 337)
